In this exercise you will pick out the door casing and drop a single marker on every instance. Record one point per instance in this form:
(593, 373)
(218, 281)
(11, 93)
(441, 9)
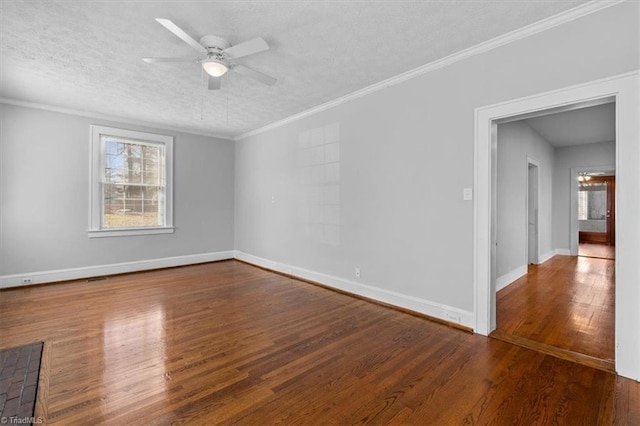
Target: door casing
(624, 89)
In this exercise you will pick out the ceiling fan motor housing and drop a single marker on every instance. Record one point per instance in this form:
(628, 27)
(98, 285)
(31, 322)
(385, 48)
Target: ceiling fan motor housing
(215, 43)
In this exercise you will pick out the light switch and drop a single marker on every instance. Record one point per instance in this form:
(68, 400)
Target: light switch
(467, 194)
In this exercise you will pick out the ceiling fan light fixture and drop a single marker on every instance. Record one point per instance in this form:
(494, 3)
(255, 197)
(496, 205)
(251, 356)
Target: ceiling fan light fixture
(214, 68)
(584, 177)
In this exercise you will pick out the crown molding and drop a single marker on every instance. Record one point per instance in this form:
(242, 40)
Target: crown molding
(106, 117)
(510, 37)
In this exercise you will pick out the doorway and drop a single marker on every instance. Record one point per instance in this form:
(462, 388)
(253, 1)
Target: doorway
(596, 214)
(624, 89)
(546, 299)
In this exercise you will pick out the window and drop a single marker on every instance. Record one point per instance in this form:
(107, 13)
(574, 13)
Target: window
(592, 201)
(131, 177)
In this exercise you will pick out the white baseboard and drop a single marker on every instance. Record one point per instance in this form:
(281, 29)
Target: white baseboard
(426, 307)
(508, 278)
(548, 255)
(115, 268)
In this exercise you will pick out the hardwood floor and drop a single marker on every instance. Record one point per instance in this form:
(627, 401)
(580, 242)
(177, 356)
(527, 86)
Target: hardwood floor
(229, 343)
(597, 250)
(566, 302)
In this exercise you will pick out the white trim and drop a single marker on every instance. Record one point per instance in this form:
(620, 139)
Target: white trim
(511, 276)
(534, 162)
(110, 269)
(548, 255)
(123, 232)
(538, 99)
(113, 118)
(433, 309)
(625, 88)
(510, 37)
(562, 252)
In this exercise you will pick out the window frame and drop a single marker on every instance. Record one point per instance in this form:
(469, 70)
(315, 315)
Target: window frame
(96, 170)
(583, 196)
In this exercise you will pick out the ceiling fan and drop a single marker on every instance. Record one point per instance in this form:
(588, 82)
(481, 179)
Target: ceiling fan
(216, 55)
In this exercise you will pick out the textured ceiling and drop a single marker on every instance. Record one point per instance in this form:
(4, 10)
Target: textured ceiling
(577, 127)
(85, 55)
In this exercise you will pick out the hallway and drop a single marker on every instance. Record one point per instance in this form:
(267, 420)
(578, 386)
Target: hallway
(566, 302)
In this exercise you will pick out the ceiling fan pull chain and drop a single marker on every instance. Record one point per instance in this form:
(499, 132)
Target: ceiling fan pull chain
(227, 93)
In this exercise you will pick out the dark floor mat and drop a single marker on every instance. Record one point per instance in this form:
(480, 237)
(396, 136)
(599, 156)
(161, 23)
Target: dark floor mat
(19, 370)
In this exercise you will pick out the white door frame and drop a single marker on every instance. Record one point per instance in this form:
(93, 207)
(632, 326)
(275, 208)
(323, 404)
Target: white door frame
(625, 90)
(535, 163)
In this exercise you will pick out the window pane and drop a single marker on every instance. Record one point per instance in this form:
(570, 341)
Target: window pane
(131, 206)
(130, 162)
(151, 178)
(597, 203)
(115, 157)
(582, 205)
(134, 170)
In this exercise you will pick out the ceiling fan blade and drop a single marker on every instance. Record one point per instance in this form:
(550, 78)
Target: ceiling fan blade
(214, 83)
(248, 47)
(154, 60)
(181, 34)
(263, 78)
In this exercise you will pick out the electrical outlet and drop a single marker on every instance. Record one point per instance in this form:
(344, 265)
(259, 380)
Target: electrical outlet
(467, 194)
(357, 272)
(453, 317)
(27, 281)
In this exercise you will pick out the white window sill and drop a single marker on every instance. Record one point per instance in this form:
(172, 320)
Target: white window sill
(124, 232)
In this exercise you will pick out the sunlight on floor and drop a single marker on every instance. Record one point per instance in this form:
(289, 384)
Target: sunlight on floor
(136, 341)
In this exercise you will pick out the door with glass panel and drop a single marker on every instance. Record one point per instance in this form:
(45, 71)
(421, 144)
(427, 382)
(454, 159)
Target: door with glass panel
(596, 209)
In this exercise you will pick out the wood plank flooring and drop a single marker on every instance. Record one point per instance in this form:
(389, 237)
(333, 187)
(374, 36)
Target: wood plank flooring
(566, 302)
(597, 250)
(229, 343)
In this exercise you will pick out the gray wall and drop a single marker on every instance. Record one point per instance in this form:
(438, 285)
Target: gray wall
(579, 156)
(406, 153)
(516, 141)
(44, 194)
